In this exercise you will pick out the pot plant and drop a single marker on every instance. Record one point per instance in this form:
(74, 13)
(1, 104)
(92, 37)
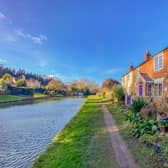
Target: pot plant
(164, 125)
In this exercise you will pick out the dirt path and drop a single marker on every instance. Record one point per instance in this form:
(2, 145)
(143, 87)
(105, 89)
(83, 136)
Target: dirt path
(122, 154)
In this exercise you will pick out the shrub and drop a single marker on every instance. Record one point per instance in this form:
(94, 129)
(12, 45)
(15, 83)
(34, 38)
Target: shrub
(149, 138)
(140, 126)
(164, 147)
(149, 111)
(7, 79)
(138, 104)
(162, 106)
(6, 76)
(118, 93)
(104, 94)
(133, 117)
(144, 127)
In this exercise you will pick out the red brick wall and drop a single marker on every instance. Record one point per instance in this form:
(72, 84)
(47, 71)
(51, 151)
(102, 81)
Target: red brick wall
(148, 67)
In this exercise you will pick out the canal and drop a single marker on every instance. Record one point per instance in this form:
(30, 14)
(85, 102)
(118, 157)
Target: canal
(26, 130)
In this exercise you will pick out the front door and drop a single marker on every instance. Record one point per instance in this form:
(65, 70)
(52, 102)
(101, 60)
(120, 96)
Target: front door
(128, 100)
(141, 90)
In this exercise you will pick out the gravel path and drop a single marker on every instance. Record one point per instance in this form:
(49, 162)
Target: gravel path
(122, 154)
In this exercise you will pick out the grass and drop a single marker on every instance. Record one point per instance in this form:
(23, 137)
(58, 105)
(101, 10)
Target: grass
(5, 98)
(143, 155)
(39, 95)
(83, 143)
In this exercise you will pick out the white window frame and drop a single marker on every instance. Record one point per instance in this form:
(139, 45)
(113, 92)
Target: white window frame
(147, 89)
(160, 62)
(158, 92)
(158, 82)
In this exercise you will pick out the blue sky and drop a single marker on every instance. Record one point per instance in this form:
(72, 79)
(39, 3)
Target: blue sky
(74, 39)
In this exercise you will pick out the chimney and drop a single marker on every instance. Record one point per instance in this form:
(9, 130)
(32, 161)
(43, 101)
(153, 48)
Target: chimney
(147, 55)
(131, 67)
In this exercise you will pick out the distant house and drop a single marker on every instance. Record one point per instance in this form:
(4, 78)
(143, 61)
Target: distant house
(149, 79)
(13, 80)
(33, 83)
(80, 94)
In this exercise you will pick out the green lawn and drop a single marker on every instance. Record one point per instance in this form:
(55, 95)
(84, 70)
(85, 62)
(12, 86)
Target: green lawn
(83, 143)
(144, 156)
(4, 98)
(39, 95)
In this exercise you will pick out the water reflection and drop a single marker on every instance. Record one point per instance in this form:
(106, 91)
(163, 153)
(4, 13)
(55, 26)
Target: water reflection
(26, 130)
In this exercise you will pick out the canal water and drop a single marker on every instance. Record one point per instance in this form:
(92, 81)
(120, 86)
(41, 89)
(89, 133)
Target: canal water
(27, 130)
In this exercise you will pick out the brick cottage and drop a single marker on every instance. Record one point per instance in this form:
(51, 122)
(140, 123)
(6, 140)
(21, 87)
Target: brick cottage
(149, 79)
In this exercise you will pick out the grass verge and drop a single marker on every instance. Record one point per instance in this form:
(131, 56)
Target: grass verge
(143, 155)
(6, 98)
(39, 95)
(83, 143)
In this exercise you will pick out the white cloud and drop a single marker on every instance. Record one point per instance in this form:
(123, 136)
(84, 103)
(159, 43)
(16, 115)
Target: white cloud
(111, 71)
(8, 33)
(39, 39)
(2, 17)
(56, 76)
(3, 61)
(65, 78)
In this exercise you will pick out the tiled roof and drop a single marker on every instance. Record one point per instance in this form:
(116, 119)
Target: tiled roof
(145, 61)
(146, 76)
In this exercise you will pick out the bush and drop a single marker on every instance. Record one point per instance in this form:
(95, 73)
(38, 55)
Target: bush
(118, 93)
(141, 126)
(164, 147)
(149, 112)
(104, 94)
(7, 79)
(146, 138)
(144, 127)
(138, 104)
(6, 76)
(133, 117)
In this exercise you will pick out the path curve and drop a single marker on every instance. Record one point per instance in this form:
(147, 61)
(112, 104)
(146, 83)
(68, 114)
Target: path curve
(122, 154)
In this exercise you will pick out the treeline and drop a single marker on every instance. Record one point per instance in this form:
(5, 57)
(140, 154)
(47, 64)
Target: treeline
(74, 88)
(19, 73)
(12, 80)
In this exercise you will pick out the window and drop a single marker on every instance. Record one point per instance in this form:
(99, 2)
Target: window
(140, 90)
(161, 62)
(149, 89)
(158, 89)
(137, 72)
(158, 62)
(128, 77)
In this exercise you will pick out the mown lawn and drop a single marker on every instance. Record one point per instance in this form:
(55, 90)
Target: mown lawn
(143, 155)
(83, 143)
(4, 98)
(39, 95)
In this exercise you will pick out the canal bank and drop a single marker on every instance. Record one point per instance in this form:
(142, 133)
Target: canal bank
(25, 100)
(28, 129)
(84, 142)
